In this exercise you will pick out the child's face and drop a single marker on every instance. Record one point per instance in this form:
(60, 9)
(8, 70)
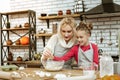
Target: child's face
(83, 38)
(67, 33)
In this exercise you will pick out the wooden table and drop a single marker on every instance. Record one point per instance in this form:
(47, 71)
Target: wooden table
(33, 63)
(30, 73)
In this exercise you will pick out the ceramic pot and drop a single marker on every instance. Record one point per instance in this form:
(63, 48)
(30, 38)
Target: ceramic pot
(26, 25)
(19, 58)
(68, 11)
(9, 42)
(60, 12)
(10, 56)
(17, 42)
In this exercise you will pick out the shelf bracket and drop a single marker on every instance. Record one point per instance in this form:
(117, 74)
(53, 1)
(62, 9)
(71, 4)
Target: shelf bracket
(47, 20)
(43, 38)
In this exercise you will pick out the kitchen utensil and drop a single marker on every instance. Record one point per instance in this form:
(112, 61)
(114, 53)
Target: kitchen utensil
(101, 39)
(116, 43)
(96, 36)
(5, 75)
(52, 65)
(110, 42)
(100, 51)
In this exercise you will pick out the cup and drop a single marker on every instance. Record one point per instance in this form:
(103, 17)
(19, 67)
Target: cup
(88, 69)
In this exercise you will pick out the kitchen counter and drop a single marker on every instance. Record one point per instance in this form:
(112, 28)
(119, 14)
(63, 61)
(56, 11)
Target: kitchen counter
(32, 74)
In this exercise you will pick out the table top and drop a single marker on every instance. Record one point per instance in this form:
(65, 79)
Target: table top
(32, 73)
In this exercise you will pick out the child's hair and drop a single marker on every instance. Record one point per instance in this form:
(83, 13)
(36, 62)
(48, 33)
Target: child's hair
(87, 27)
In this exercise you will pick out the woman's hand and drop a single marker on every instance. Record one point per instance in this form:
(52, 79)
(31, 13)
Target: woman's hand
(47, 54)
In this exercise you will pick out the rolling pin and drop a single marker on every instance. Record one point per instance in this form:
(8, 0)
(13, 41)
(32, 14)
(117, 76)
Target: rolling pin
(5, 75)
(9, 75)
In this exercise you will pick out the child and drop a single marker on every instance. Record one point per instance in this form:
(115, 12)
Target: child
(84, 51)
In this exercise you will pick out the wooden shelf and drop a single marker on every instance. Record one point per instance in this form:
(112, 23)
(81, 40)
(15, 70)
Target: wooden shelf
(11, 29)
(59, 17)
(15, 62)
(15, 45)
(43, 36)
(31, 64)
(18, 12)
(46, 35)
(24, 62)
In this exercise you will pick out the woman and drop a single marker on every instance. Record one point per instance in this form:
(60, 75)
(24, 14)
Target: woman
(61, 42)
(84, 51)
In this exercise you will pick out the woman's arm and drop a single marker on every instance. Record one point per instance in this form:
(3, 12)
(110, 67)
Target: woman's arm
(49, 48)
(51, 43)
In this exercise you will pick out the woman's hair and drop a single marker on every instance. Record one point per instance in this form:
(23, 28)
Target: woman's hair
(87, 27)
(67, 21)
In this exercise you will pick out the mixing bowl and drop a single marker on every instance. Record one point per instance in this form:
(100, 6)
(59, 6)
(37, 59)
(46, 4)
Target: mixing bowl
(52, 65)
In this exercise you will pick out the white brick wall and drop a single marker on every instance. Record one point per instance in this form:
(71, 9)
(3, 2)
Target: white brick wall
(52, 6)
(106, 25)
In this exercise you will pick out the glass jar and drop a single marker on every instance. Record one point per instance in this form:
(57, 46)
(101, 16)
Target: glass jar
(106, 65)
(54, 28)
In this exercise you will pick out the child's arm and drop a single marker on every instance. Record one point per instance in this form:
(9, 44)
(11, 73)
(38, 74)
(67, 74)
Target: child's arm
(71, 53)
(95, 57)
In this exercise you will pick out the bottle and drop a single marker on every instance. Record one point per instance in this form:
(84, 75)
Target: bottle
(8, 25)
(54, 28)
(106, 65)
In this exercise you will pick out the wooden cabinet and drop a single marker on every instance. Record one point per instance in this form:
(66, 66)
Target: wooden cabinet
(48, 18)
(14, 33)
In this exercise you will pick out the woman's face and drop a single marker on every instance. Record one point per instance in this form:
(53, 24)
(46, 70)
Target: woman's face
(83, 38)
(67, 33)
